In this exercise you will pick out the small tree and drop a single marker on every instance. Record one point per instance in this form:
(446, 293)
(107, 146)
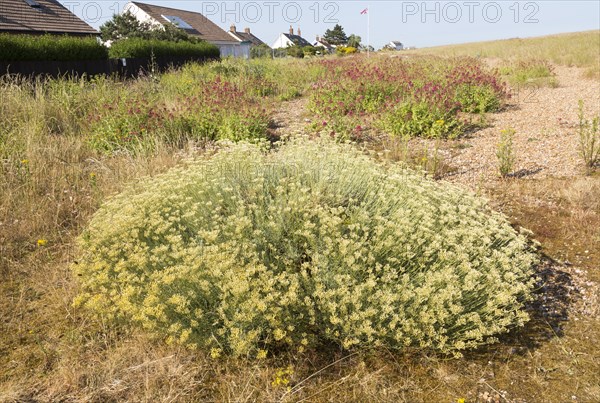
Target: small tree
(309, 50)
(124, 26)
(336, 36)
(295, 51)
(127, 26)
(354, 41)
(261, 51)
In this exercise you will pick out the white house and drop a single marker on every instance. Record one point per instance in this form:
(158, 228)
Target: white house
(245, 36)
(195, 24)
(322, 42)
(395, 45)
(285, 40)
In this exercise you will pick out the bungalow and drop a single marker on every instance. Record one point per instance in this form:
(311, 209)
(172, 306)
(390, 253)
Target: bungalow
(245, 36)
(286, 40)
(329, 48)
(38, 17)
(395, 45)
(195, 24)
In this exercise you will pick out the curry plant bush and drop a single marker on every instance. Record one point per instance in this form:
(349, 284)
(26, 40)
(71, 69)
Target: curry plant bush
(249, 251)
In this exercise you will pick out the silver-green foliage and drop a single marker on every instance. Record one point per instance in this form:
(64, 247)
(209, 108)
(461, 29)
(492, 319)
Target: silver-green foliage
(251, 251)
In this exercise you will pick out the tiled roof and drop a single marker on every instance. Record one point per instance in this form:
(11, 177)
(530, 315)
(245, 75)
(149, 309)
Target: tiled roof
(201, 26)
(48, 17)
(297, 40)
(247, 36)
(324, 43)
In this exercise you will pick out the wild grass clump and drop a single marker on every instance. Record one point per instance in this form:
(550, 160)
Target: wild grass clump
(505, 152)
(250, 252)
(589, 139)
(531, 72)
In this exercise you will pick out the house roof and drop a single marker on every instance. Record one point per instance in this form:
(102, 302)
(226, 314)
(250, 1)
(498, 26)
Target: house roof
(396, 43)
(201, 26)
(43, 16)
(324, 43)
(297, 40)
(246, 36)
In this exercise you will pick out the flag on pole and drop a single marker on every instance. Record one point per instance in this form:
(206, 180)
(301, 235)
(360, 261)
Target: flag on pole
(363, 12)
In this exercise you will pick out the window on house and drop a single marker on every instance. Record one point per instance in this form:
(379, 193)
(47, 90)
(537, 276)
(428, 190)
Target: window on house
(177, 21)
(33, 3)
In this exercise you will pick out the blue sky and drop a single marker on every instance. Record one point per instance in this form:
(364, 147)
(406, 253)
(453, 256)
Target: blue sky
(415, 23)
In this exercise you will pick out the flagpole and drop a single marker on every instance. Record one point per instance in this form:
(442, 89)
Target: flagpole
(369, 33)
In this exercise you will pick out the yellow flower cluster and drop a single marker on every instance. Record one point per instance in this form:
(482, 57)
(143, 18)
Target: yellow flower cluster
(250, 251)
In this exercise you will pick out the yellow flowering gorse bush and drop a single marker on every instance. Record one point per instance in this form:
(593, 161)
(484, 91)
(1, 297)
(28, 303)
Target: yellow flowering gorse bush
(251, 251)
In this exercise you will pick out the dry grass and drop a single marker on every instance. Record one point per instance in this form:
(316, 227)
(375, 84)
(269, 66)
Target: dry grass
(573, 49)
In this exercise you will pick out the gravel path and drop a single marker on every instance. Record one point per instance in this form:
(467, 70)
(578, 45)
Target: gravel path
(546, 138)
(545, 121)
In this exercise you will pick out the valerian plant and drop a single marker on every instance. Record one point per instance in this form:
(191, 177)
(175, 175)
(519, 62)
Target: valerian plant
(248, 252)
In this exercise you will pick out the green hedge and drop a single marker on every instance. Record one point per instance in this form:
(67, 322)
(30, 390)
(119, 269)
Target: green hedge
(142, 48)
(50, 48)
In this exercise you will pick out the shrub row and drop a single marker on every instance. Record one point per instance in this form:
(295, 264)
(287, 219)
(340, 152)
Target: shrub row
(142, 48)
(50, 48)
(65, 48)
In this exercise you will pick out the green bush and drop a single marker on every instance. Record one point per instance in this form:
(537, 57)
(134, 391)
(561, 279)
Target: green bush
(249, 251)
(50, 48)
(421, 119)
(142, 48)
(261, 51)
(295, 51)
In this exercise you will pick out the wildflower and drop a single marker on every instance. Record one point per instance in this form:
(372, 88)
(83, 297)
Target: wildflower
(461, 400)
(25, 162)
(92, 175)
(440, 122)
(42, 242)
(215, 352)
(261, 354)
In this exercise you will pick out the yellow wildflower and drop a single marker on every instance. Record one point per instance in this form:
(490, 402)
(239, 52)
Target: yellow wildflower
(261, 354)
(215, 352)
(42, 242)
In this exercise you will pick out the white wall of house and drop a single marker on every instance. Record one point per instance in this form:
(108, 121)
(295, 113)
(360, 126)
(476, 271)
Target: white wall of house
(140, 14)
(227, 49)
(396, 45)
(282, 41)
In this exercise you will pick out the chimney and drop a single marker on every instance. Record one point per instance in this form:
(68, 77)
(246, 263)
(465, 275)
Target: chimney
(232, 28)
(247, 30)
(291, 30)
(299, 33)
(318, 39)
